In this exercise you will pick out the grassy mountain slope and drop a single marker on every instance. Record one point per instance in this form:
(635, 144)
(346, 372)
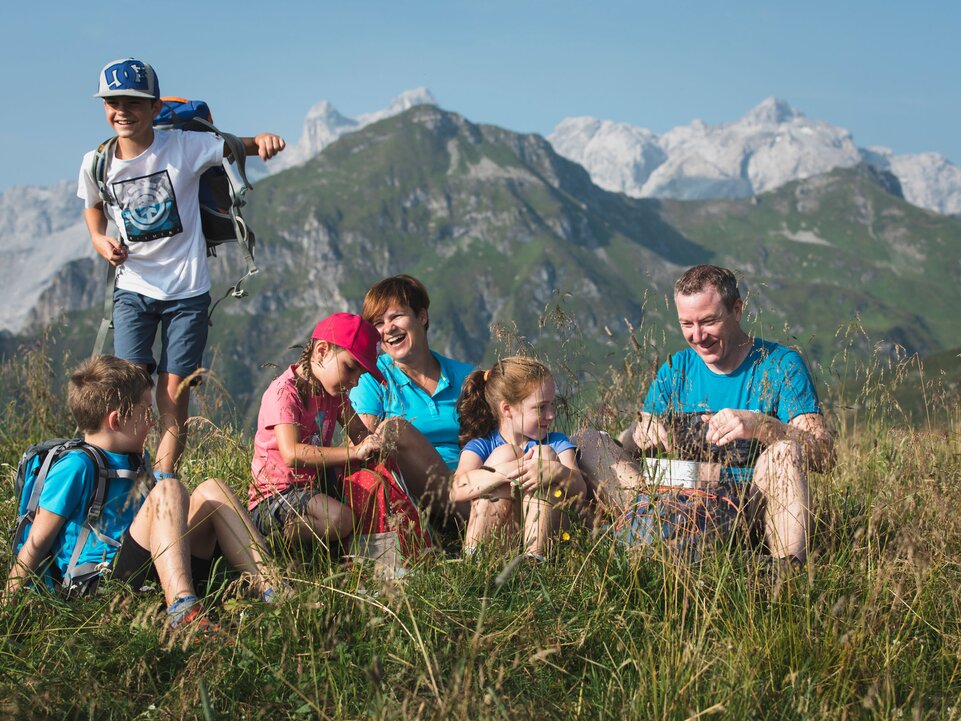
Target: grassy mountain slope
(504, 231)
(822, 252)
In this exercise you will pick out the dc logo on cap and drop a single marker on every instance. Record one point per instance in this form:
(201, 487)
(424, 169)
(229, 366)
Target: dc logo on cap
(128, 75)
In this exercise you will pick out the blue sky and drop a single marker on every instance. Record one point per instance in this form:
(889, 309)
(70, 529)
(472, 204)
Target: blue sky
(886, 71)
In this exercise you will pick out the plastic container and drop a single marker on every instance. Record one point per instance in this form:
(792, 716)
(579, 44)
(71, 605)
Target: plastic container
(668, 472)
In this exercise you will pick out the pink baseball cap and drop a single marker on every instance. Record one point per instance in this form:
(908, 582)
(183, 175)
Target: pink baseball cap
(355, 335)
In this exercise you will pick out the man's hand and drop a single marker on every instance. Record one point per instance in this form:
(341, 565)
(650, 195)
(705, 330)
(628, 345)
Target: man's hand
(268, 145)
(110, 249)
(646, 433)
(733, 425)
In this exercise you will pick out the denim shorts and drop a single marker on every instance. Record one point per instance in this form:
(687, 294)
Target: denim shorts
(183, 331)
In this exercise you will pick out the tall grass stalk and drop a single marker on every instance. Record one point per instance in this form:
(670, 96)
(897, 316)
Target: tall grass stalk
(870, 629)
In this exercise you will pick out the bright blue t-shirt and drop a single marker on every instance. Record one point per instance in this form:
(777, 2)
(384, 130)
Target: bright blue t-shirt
(67, 491)
(483, 447)
(433, 414)
(772, 379)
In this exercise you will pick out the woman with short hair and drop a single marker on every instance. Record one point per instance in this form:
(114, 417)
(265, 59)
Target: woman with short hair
(416, 409)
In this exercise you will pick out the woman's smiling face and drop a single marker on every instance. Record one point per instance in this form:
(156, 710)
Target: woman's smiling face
(402, 331)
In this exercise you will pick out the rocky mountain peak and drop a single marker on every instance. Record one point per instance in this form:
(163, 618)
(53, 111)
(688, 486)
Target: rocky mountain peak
(324, 124)
(771, 111)
(772, 144)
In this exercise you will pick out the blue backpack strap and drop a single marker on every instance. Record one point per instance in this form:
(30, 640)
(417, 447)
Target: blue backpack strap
(53, 450)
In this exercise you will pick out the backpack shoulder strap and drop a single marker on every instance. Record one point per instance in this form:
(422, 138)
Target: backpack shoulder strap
(101, 160)
(53, 449)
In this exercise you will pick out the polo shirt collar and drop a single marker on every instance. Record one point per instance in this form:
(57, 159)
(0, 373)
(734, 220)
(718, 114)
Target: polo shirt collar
(402, 379)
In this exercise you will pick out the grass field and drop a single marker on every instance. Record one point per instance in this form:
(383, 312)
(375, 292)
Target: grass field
(869, 629)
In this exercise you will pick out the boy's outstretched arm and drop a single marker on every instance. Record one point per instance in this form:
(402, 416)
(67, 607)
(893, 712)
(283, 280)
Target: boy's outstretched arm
(46, 526)
(266, 145)
(110, 249)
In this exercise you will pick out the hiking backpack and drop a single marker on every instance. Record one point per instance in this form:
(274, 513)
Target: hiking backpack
(222, 195)
(389, 529)
(32, 471)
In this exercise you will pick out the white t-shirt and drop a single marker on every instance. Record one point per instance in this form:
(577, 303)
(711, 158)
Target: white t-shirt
(158, 212)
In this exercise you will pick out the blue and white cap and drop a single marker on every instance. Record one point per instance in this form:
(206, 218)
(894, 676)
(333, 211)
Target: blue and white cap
(128, 77)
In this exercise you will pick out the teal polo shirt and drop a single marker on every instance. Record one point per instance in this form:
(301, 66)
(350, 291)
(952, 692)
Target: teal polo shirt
(433, 414)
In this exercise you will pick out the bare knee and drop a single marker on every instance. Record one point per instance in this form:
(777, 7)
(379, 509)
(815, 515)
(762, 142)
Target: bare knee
(330, 517)
(782, 460)
(169, 491)
(504, 454)
(210, 496)
(545, 453)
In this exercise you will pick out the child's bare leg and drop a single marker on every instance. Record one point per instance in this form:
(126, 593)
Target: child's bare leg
(172, 407)
(490, 515)
(160, 526)
(216, 516)
(324, 519)
(541, 520)
(545, 511)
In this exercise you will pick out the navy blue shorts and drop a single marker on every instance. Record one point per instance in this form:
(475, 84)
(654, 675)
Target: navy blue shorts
(183, 331)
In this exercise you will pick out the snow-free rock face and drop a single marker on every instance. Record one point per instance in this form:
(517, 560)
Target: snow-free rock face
(771, 145)
(324, 124)
(928, 180)
(42, 234)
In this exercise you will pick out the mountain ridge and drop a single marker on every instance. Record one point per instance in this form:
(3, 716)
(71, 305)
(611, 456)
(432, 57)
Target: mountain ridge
(519, 248)
(773, 143)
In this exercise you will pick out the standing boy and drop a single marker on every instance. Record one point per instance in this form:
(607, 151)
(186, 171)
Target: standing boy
(161, 533)
(161, 255)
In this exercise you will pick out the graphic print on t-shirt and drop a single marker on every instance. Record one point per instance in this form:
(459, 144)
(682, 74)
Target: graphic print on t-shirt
(148, 207)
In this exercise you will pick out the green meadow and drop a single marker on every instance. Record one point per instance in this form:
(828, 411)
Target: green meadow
(870, 628)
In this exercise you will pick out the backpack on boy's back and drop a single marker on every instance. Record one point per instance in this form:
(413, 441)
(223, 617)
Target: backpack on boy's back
(222, 193)
(32, 472)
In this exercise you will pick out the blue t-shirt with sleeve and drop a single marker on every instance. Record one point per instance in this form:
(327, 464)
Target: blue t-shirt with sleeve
(483, 447)
(433, 414)
(772, 379)
(67, 492)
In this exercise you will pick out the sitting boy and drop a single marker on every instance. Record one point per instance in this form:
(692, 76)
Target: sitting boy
(152, 181)
(158, 533)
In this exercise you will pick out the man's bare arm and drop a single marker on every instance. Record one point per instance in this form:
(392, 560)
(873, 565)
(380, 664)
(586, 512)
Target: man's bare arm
(808, 429)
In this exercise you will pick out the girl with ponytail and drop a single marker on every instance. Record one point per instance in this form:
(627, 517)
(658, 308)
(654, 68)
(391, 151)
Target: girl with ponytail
(511, 464)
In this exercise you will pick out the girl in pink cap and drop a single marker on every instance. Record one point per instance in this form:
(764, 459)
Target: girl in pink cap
(295, 468)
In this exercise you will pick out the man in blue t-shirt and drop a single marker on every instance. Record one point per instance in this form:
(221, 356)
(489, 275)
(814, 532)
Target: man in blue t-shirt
(747, 403)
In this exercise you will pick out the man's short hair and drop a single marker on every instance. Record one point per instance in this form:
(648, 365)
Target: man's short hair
(696, 279)
(103, 384)
(396, 290)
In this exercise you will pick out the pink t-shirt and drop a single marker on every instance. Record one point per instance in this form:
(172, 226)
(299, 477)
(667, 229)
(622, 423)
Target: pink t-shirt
(315, 422)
